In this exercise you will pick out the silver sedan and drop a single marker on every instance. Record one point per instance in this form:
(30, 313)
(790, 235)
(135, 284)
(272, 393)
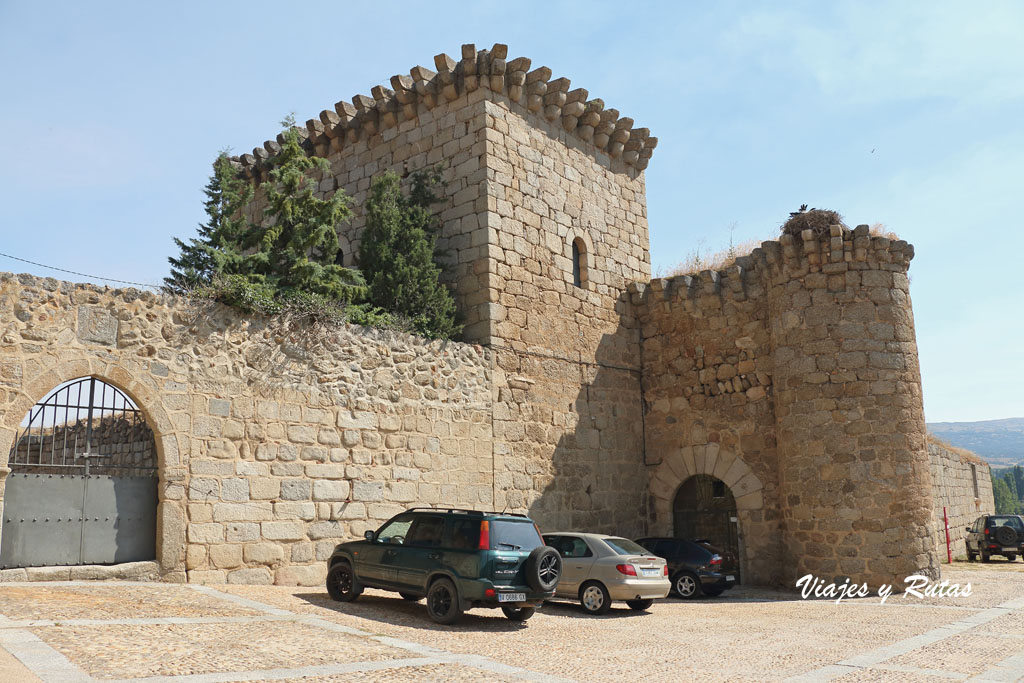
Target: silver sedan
(597, 569)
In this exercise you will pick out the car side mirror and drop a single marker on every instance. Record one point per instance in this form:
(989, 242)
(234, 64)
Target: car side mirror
(369, 535)
(968, 528)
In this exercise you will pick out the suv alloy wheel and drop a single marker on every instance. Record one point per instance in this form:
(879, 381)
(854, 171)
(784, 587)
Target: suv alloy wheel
(341, 583)
(443, 602)
(543, 568)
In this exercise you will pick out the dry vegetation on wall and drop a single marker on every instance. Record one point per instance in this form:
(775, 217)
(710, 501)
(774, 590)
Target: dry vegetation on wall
(965, 455)
(703, 258)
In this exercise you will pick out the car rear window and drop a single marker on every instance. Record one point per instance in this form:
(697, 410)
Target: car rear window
(514, 535)
(1013, 522)
(624, 546)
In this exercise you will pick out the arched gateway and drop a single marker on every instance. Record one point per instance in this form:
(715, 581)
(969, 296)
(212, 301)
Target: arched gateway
(705, 509)
(83, 482)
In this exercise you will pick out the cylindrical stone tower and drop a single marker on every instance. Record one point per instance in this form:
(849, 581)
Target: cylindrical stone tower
(855, 485)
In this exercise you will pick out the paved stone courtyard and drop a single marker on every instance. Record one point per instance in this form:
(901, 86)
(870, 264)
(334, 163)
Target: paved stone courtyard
(77, 632)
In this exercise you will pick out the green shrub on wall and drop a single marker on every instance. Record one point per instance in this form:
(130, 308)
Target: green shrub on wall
(218, 248)
(288, 262)
(397, 254)
(294, 249)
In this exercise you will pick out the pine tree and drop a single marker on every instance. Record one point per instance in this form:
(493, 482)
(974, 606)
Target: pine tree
(217, 248)
(293, 252)
(397, 251)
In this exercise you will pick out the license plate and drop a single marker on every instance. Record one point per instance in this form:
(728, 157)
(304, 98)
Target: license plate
(730, 578)
(511, 597)
(651, 572)
(1009, 550)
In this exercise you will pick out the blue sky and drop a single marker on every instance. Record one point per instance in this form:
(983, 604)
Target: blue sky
(114, 112)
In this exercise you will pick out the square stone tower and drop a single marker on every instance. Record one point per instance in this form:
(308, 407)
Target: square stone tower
(545, 226)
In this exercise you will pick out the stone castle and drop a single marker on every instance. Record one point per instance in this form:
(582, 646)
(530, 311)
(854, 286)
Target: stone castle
(586, 393)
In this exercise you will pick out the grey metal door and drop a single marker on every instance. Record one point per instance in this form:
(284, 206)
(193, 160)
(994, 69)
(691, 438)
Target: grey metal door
(83, 485)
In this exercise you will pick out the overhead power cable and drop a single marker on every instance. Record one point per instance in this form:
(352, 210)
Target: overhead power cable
(74, 272)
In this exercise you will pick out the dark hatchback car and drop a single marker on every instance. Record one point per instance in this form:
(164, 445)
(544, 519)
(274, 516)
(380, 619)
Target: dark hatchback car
(995, 535)
(456, 559)
(695, 567)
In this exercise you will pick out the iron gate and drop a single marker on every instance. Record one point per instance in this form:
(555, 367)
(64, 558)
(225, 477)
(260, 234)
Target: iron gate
(705, 509)
(83, 481)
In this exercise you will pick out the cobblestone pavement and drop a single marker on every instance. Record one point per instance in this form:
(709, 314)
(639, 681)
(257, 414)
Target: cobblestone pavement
(81, 632)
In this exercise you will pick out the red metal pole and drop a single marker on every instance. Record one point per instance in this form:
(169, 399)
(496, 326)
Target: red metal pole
(945, 521)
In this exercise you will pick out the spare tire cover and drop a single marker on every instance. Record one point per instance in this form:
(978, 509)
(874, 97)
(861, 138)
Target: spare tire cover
(1006, 535)
(543, 568)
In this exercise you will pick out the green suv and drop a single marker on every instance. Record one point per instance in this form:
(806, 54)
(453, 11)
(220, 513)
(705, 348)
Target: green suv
(457, 559)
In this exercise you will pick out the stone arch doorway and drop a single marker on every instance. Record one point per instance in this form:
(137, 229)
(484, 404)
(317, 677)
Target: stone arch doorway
(82, 487)
(704, 509)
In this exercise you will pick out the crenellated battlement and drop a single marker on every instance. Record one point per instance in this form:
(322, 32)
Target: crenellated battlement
(799, 359)
(604, 130)
(788, 257)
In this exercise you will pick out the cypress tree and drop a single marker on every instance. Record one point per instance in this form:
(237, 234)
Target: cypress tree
(293, 251)
(396, 255)
(217, 248)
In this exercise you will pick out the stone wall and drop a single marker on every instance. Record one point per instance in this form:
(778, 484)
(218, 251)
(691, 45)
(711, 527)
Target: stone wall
(708, 369)
(568, 440)
(531, 167)
(451, 117)
(962, 483)
(793, 377)
(274, 440)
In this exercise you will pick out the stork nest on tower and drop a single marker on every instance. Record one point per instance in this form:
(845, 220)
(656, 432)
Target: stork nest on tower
(817, 221)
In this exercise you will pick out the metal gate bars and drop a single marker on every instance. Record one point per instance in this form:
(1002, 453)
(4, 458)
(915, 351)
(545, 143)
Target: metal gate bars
(83, 486)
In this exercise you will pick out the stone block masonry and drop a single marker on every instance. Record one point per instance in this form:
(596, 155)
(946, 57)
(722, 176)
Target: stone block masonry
(587, 396)
(487, 118)
(532, 169)
(274, 441)
(792, 376)
(962, 484)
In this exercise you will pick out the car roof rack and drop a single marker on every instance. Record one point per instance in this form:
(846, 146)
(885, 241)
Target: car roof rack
(464, 511)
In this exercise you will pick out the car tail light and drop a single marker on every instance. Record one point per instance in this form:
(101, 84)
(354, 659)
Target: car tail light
(490, 593)
(664, 570)
(716, 559)
(992, 545)
(485, 535)
(986, 531)
(627, 569)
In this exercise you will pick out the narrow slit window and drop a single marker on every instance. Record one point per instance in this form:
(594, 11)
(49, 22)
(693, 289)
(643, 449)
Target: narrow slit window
(579, 263)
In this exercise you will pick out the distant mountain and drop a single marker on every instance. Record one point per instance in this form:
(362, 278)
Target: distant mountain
(999, 442)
